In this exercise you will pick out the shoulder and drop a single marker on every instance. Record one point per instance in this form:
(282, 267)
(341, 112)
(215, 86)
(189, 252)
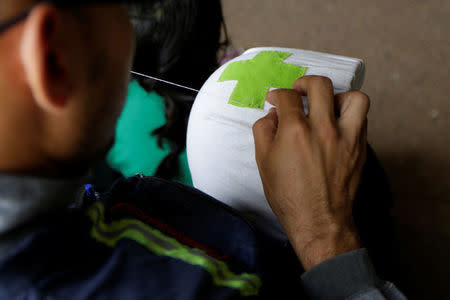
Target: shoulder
(178, 232)
(118, 249)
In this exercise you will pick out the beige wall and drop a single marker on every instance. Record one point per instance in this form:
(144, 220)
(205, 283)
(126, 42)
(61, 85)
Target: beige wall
(406, 45)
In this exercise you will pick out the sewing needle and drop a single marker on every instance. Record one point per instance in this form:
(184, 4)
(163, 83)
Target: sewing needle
(164, 81)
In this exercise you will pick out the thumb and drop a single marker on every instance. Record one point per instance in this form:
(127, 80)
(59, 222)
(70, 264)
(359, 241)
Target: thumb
(264, 132)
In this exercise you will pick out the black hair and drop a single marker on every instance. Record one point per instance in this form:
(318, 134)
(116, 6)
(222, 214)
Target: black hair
(178, 41)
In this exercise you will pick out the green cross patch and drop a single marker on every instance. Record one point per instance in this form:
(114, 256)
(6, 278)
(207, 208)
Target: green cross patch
(256, 76)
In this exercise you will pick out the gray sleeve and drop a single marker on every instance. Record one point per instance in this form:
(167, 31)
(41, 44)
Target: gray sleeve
(349, 276)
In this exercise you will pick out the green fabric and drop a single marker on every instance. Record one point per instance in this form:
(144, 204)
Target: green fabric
(160, 244)
(255, 77)
(135, 149)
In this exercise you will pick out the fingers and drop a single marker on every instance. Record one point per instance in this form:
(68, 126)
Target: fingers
(289, 105)
(353, 108)
(264, 132)
(320, 97)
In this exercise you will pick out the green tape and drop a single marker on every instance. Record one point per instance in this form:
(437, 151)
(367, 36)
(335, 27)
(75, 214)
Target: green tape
(256, 76)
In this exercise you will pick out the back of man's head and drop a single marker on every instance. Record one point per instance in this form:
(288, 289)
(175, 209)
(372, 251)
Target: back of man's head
(63, 79)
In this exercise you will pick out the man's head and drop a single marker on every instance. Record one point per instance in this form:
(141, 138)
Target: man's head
(63, 79)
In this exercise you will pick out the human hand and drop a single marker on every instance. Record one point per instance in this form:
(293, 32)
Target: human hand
(311, 166)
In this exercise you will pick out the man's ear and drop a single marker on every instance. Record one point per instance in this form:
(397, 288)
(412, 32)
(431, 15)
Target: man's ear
(44, 59)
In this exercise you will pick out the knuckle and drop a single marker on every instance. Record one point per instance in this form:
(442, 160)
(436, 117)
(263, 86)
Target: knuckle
(298, 81)
(270, 94)
(296, 129)
(365, 99)
(262, 125)
(258, 125)
(276, 93)
(280, 96)
(322, 80)
(361, 97)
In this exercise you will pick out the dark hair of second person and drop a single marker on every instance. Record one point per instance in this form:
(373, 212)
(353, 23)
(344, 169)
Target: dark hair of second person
(178, 41)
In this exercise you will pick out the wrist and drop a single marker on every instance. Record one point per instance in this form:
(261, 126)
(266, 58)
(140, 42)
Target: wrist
(320, 248)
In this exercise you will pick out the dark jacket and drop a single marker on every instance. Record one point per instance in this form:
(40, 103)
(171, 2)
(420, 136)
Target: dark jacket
(150, 239)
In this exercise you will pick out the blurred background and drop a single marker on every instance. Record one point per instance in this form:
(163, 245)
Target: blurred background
(406, 47)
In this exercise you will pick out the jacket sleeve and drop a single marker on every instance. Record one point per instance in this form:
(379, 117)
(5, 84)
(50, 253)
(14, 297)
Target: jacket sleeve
(350, 276)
